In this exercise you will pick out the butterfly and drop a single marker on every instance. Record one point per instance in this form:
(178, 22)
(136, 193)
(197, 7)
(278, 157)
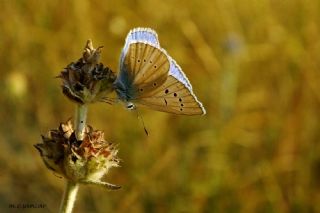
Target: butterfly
(149, 77)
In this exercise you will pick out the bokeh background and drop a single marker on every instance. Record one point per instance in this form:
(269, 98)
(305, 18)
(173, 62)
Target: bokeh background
(253, 63)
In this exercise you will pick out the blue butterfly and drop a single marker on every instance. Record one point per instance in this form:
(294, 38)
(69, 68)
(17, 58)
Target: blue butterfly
(149, 77)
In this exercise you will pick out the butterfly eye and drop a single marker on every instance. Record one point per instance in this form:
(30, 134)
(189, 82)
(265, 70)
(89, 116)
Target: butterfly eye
(130, 106)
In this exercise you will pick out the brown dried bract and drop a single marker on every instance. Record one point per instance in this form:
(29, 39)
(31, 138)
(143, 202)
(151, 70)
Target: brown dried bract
(87, 80)
(79, 161)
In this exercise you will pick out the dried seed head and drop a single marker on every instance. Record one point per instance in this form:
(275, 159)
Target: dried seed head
(79, 161)
(87, 80)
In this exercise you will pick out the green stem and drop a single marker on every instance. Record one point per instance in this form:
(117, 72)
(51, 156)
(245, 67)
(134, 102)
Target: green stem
(69, 197)
(71, 189)
(80, 120)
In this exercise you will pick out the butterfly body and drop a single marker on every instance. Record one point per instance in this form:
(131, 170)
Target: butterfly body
(149, 77)
(124, 87)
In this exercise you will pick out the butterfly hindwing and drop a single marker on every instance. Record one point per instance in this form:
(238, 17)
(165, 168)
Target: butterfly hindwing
(173, 97)
(176, 71)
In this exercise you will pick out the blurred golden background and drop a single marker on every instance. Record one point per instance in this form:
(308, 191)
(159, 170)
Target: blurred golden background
(253, 63)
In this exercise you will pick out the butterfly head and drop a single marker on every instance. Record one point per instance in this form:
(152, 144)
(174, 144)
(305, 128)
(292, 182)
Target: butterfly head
(130, 106)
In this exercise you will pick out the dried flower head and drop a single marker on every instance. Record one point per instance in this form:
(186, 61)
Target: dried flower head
(84, 161)
(87, 80)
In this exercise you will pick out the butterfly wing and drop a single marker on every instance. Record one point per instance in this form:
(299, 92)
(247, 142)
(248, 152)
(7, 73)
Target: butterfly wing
(147, 64)
(143, 35)
(174, 96)
(145, 67)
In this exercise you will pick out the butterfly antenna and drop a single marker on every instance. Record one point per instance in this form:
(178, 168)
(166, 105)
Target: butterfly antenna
(141, 119)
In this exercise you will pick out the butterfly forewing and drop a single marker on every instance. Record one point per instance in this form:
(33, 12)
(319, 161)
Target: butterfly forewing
(144, 35)
(147, 65)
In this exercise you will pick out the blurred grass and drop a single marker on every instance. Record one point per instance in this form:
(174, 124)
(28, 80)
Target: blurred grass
(253, 63)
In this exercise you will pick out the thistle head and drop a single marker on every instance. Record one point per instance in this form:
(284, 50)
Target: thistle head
(87, 80)
(85, 161)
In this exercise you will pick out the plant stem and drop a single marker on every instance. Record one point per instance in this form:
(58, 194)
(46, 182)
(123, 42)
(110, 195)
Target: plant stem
(71, 189)
(69, 197)
(80, 120)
